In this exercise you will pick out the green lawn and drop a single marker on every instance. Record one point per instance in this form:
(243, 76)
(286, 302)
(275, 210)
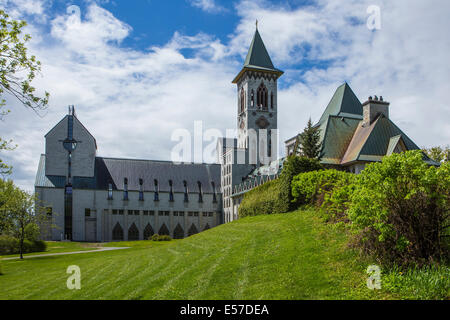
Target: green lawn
(58, 247)
(289, 256)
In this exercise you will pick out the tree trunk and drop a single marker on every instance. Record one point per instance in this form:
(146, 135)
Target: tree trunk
(22, 235)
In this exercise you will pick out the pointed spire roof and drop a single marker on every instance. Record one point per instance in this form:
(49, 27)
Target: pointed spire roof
(344, 103)
(258, 58)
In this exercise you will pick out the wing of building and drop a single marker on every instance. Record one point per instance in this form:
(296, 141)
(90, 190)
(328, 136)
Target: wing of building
(99, 199)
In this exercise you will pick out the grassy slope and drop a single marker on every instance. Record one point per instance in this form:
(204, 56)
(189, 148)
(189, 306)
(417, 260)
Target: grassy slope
(58, 247)
(290, 256)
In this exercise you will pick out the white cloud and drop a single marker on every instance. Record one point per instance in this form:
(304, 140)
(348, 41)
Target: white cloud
(208, 5)
(132, 100)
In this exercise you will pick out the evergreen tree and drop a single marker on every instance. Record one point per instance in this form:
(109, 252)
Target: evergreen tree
(310, 145)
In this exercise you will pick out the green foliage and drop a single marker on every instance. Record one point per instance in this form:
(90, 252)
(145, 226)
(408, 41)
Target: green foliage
(157, 237)
(426, 283)
(14, 60)
(293, 166)
(10, 245)
(32, 232)
(399, 209)
(329, 190)
(261, 200)
(438, 154)
(310, 145)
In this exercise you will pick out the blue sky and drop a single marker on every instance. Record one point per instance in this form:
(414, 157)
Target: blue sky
(138, 70)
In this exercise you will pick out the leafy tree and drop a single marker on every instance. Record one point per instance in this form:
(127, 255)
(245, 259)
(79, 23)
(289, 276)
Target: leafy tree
(22, 214)
(310, 145)
(7, 191)
(439, 154)
(17, 71)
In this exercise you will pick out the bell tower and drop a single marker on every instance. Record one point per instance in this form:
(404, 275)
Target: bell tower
(257, 114)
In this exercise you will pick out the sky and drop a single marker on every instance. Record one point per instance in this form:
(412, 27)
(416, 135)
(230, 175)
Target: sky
(138, 70)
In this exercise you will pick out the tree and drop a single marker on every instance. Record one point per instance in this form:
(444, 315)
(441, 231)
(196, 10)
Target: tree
(438, 154)
(310, 145)
(23, 214)
(7, 190)
(17, 71)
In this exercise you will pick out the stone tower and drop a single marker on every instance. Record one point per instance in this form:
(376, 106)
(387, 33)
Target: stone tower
(257, 114)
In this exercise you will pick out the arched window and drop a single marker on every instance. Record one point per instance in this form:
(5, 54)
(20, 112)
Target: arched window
(178, 233)
(192, 230)
(262, 97)
(207, 227)
(148, 232)
(271, 100)
(242, 100)
(252, 98)
(163, 231)
(117, 233)
(133, 233)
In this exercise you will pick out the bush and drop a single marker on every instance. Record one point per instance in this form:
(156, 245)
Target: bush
(10, 245)
(157, 237)
(328, 190)
(399, 210)
(32, 232)
(293, 166)
(261, 200)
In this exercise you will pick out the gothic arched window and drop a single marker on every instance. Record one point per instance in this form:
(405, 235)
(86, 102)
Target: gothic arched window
(117, 233)
(262, 97)
(271, 100)
(252, 98)
(178, 233)
(163, 231)
(148, 232)
(242, 100)
(133, 233)
(192, 230)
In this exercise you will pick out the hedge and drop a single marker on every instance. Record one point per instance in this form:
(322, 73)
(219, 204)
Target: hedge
(157, 237)
(264, 199)
(10, 245)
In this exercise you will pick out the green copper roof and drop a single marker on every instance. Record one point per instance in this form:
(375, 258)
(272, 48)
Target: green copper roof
(258, 58)
(257, 54)
(344, 103)
(336, 134)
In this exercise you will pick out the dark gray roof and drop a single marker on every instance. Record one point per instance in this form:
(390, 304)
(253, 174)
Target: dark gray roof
(110, 170)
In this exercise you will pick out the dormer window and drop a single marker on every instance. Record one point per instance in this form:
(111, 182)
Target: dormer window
(156, 190)
(125, 189)
(213, 185)
(200, 192)
(141, 190)
(186, 193)
(110, 191)
(171, 191)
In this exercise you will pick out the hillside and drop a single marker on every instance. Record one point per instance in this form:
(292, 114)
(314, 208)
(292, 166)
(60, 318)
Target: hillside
(290, 256)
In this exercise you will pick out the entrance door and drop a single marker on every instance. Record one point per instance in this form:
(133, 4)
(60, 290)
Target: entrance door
(91, 230)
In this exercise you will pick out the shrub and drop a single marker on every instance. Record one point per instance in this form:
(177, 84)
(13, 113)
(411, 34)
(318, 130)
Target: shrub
(293, 166)
(261, 200)
(399, 209)
(32, 232)
(329, 190)
(157, 237)
(10, 245)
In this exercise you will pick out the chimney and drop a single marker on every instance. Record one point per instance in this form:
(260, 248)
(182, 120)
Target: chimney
(372, 108)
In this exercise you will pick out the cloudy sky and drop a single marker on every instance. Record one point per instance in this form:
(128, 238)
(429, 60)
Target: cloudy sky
(138, 70)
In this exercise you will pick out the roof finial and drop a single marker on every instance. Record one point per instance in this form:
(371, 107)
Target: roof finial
(256, 24)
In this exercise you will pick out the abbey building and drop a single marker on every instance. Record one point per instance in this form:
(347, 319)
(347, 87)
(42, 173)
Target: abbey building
(97, 199)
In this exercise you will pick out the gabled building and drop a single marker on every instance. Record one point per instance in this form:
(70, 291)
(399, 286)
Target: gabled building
(354, 134)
